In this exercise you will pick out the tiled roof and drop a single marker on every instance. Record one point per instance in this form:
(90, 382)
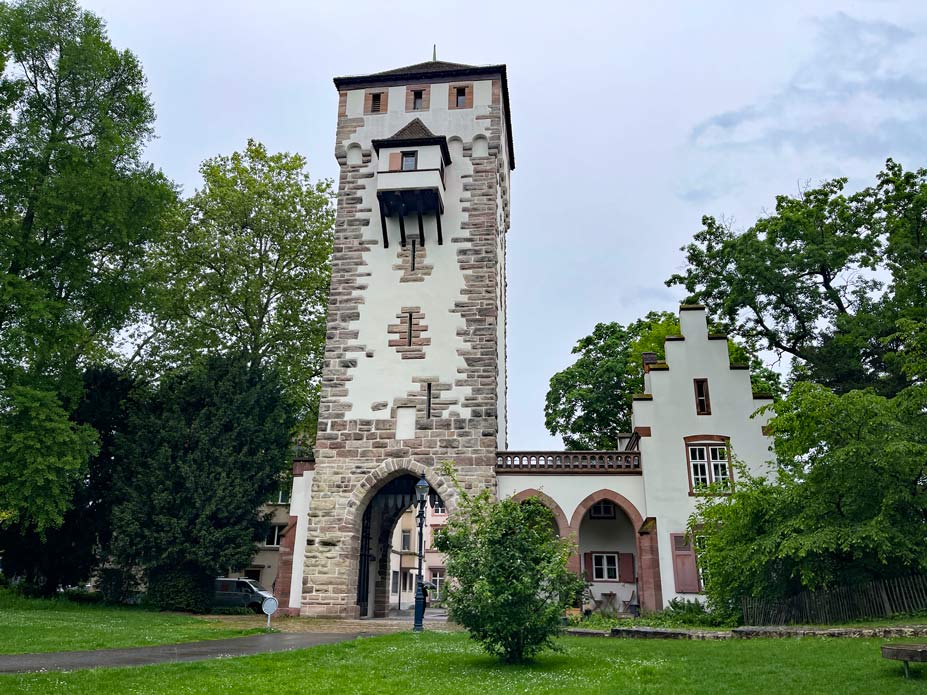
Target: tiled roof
(413, 130)
(429, 66)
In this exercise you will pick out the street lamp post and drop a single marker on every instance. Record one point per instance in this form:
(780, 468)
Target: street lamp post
(421, 494)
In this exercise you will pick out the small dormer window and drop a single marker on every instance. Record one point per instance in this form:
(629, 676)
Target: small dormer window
(376, 102)
(461, 97)
(409, 161)
(418, 99)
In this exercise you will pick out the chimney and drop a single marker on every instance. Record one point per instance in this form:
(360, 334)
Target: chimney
(648, 358)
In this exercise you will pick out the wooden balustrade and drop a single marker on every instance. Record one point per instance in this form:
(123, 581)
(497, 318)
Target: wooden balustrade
(569, 462)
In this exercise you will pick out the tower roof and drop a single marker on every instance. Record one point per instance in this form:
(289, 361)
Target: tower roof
(414, 133)
(435, 71)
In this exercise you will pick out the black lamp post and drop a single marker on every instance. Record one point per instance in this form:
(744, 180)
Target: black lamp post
(421, 494)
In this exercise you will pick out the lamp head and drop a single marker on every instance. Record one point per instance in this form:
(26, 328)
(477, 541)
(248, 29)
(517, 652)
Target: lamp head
(421, 490)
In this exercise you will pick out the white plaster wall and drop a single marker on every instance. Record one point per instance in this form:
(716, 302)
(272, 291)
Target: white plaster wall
(386, 376)
(299, 507)
(671, 415)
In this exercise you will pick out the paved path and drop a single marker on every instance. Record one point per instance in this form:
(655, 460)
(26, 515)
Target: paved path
(167, 653)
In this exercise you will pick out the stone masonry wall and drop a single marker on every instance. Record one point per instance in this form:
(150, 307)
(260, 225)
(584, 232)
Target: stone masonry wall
(355, 457)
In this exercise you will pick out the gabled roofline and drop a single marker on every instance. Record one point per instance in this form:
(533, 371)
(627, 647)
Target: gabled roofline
(382, 80)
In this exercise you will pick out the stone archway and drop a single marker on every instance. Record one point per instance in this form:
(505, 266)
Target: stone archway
(373, 510)
(563, 526)
(648, 570)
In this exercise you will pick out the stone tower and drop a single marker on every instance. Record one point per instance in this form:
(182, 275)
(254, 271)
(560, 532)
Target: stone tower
(414, 370)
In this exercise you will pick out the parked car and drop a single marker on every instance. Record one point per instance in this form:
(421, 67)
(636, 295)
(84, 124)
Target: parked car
(240, 592)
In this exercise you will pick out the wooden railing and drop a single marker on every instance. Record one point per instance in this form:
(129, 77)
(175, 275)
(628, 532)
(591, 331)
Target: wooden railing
(569, 462)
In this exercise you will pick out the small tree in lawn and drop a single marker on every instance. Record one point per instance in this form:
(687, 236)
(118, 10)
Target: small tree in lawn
(510, 582)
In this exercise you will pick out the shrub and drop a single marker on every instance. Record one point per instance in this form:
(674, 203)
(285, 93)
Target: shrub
(510, 582)
(181, 588)
(81, 596)
(117, 585)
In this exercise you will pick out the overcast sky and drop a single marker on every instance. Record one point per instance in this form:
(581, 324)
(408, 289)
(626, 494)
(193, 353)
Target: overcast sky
(631, 121)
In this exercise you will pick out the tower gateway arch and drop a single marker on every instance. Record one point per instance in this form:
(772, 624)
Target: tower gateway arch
(414, 371)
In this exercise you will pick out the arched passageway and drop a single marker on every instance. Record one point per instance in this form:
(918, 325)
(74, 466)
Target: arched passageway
(386, 505)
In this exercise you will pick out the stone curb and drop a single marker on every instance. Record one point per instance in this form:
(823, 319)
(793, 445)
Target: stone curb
(750, 632)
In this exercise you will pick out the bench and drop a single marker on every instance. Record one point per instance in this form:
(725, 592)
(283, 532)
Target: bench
(905, 653)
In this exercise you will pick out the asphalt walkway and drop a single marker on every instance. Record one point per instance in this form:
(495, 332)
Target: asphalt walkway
(169, 653)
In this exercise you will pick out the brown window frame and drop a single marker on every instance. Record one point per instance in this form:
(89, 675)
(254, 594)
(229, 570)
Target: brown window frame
(601, 514)
(453, 100)
(382, 96)
(706, 397)
(408, 154)
(708, 442)
(425, 104)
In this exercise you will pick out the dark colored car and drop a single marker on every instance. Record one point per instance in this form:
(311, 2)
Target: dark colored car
(240, 592)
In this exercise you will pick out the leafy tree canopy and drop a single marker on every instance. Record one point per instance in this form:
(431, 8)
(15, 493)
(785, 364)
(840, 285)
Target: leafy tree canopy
(847, 501)
(201, 453)
(510, 582)
(825, 278)
(589, 402)
(248, 271)
(77, 209)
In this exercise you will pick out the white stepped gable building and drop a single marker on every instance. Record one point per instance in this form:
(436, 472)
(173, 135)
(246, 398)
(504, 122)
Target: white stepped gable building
(414, 370)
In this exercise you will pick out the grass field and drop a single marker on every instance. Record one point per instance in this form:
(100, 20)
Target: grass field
(37, 625)
(448, 662)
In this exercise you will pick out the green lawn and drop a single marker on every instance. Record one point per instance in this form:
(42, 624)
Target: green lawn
(36, 625)
(449, 662)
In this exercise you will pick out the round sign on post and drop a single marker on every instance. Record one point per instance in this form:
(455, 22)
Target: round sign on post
(269, 606)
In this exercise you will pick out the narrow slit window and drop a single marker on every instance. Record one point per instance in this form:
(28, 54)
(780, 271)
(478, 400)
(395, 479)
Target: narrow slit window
(702, 401)
(409, 161)
(428, 400)
(376, 101)
(418, 99)
(461, 97)
(409, 330)
(413, 254)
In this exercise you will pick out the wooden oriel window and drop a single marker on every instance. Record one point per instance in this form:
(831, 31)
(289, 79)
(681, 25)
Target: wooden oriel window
(702, 400)
(685, 567)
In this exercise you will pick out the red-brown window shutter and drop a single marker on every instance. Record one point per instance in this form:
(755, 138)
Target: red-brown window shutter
(395, 161)
(684, 568)
(469, 96)
(626, 568)
(587, 563)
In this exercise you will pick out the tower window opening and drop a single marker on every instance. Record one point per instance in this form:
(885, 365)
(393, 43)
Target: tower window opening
(702, 401)
(428, 400)
(376, 100)
(413, 254)
(460, 95)
(418, 99)
(409, 161)
(409, 330)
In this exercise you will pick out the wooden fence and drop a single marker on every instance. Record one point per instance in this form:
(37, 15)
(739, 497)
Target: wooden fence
(880, 599)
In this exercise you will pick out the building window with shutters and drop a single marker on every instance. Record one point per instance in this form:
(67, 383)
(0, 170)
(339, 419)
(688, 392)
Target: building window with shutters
(708, 461)
(605, 567)
(685, 567)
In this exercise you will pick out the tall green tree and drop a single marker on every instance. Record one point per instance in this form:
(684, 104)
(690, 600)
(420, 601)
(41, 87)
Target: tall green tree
(78, 209)
(201, 453)
(847, 501)
(69, 554)
(248, 271)
(825, 278)
(589, 402)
